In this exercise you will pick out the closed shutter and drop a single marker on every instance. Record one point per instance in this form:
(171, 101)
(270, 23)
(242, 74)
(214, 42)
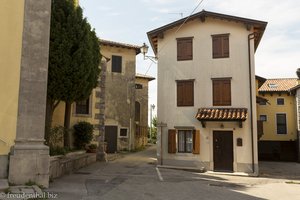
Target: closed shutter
(189, 93)
(172, 141)
(217, 47)
(185, 93)
(184, 49)
(180, 94)
(196, 142)
(217, 95)
(220, 46)
(226, 93)
(225, 44)
(221, 92)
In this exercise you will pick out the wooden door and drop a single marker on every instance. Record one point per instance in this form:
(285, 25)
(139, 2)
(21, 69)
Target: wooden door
(111, 136)
(223, 151)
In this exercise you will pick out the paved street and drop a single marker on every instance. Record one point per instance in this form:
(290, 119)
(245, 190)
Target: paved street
(136, 177)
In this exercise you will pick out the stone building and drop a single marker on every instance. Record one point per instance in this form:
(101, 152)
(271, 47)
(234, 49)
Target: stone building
(119, 94)
(111, 107)
(141, 109)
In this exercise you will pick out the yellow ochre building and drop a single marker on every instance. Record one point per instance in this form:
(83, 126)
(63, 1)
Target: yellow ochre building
(278, 115)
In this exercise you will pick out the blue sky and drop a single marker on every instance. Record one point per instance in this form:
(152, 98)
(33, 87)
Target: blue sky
(129, 20)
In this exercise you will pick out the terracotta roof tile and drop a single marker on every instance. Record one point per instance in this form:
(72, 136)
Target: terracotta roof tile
(278, 85)
(150, 78)
(222, 114)
(119, 44)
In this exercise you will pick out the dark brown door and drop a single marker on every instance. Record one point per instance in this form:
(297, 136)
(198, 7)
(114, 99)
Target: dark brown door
(223, 151)
(111, 136)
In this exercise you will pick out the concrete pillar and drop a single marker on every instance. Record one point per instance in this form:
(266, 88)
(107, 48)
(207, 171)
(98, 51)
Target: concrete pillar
(29, 158)
(162, 130)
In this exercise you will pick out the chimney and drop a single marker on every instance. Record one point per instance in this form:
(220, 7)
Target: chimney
(298, 74)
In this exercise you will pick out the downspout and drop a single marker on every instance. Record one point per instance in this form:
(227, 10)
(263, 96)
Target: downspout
(251, 36)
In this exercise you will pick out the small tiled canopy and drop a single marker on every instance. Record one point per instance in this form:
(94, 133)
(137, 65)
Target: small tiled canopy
(222, 114)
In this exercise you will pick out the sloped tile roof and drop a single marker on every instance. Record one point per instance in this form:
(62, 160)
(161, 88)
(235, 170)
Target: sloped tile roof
(150, 78)
(278, 85)
(222, 114)
(119, 44)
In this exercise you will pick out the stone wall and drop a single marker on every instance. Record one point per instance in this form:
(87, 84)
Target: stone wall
(61, 165)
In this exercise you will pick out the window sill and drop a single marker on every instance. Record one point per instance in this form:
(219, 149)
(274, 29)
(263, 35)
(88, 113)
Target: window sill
(82, 115)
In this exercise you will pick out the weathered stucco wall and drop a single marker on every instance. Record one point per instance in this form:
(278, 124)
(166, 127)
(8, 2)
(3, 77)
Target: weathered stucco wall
(202, 68)
(120, 94)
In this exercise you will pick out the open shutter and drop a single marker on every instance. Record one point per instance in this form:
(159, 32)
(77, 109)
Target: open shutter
(196, 142)
(172, 141)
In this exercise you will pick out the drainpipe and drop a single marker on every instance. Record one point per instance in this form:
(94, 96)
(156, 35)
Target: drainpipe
(251, 36)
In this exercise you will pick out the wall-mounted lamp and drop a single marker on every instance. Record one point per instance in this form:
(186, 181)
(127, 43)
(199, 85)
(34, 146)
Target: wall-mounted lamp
(144, 50)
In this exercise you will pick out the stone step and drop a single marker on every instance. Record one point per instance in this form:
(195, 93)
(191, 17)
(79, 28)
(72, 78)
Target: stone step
(3, 185)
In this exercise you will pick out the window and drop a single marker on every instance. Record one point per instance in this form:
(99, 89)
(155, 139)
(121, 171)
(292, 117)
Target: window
(220, 46)
(185, 141)
(280, 101)
(221, 92)
(281, 123)
(138, 86)
(116, 64)
(185, 93)
(184, 48)
(123, 132)
(263, 118)
(82, 107)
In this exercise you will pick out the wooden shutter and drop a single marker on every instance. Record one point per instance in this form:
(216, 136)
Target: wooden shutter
(217, 95)
(225, 46)
(220, 46)
(184, 49)
(180, 94)
(189, 93)
(217, 47)
(222, 92)
(196, 142)
(185, 93)
(226, 93)
(172, 141)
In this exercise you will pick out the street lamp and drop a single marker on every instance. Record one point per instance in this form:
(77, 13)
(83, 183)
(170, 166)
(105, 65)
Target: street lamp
(144, 50)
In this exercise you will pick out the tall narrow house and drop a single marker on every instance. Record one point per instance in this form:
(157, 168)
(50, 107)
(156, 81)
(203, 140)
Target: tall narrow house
(206, 92)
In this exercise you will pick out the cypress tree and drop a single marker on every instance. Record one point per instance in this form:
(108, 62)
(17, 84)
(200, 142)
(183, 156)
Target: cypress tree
(74, 58)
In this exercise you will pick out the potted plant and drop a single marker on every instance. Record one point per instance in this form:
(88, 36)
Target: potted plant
(92, 148)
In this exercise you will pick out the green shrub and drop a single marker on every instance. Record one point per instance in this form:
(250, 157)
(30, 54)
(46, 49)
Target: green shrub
(83, 133)
(55, 150)
(56, 136)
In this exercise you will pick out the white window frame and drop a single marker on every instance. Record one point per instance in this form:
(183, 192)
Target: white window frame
(120, 132)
